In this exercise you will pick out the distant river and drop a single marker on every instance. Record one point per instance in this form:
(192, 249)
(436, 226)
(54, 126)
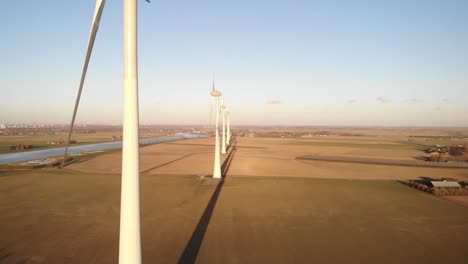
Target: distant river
(53, 152)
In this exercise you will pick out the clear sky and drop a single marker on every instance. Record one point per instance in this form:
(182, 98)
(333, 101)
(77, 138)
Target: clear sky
(287, 62)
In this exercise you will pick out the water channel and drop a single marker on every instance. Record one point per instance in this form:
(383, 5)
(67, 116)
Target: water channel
(53, 152)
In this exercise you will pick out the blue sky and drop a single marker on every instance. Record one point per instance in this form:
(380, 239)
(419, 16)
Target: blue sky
(278, 62)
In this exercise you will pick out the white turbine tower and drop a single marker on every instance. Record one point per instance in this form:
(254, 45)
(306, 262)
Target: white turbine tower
(223, 113)
(130, 237)
(228, 127)
(217, 162)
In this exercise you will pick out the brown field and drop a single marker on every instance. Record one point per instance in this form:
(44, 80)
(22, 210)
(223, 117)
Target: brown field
(269, 157)
(270, 208)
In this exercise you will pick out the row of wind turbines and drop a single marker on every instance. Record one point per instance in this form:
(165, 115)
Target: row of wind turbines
(225, 113)
(130, 231)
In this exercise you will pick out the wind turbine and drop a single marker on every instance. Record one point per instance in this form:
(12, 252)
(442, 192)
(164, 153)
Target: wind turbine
(228, 125)
(130, 236)
(223, 113)
(217, 162)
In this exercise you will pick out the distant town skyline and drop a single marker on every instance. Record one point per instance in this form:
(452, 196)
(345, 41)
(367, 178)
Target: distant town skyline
(336, 63)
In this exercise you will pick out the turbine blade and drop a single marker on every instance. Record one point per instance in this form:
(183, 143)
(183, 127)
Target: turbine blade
(92, 36)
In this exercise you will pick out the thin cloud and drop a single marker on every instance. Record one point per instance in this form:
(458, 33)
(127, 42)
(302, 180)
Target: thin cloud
(274, 102)
(382, 100)
(437, 108)
(414, 100)
(352, 101)
(445, 100)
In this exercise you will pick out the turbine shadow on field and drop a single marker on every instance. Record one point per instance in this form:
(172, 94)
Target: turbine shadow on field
(233, 144)
(190, 253)
(227, 162)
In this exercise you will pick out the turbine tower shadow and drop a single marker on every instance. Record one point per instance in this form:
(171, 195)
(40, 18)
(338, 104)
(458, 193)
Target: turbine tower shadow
(190, 253)
(232, 145)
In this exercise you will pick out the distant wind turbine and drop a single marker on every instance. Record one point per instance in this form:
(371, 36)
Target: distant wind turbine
(130, 236)
(228, 127)
(217, 162)
(223, 113)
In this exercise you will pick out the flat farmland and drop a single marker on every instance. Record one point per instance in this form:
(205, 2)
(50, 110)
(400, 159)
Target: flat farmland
(270, 157)
(270, 208)
(152, 156)
(52, 216)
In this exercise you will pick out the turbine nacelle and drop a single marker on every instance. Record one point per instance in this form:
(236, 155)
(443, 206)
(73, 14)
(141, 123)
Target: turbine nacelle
(216, 93)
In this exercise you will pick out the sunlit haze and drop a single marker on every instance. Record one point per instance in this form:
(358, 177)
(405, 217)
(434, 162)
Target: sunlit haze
(371, 63)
